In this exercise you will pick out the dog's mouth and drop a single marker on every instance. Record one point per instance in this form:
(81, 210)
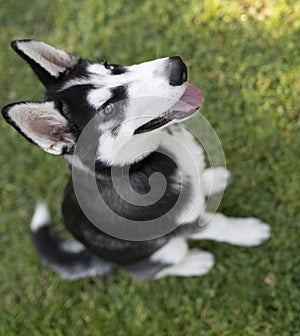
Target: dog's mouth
(185, 107)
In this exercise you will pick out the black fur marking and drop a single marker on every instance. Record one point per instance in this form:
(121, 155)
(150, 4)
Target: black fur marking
(79, 70)
(68, 264)
(73, 100)
(118, 70)
(73, 104)
(111, 248)
(118, 102)
(115, 69)
(102, 167)
(99, 242)
(119, 94)
(45, 236)
(115, 131)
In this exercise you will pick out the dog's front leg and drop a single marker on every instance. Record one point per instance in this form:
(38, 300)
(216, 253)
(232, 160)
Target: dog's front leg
(215, 180)
(237, 231)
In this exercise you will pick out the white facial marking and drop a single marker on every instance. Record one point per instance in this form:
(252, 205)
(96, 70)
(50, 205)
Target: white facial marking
(99, 69)
(97, 97)
(149, 94)
(124, 149)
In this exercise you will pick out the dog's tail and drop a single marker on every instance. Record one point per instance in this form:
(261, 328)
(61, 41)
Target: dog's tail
(69, 259)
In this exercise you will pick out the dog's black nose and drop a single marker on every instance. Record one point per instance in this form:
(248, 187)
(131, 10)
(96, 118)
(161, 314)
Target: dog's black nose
(177, 71)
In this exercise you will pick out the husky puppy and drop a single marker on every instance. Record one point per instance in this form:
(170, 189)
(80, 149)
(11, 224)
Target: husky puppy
(107, 119)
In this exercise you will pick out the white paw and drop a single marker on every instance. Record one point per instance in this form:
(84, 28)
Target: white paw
(171, 253)
(247, 231)
(236, 231)
(196, 263)
(215, 180)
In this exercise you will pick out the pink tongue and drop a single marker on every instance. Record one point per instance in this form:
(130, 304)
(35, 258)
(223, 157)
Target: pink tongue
(191, 99)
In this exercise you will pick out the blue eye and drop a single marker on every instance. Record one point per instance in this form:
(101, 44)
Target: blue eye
(108, 110)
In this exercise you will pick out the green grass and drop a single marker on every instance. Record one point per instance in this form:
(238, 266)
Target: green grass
(245, 57)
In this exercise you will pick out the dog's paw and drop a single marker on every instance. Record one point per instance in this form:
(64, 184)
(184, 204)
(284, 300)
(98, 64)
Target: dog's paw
(247, 231)
(215, 180)
(236, 231)
(196, 263)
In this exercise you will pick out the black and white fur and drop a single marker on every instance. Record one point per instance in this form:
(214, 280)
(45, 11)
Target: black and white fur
(76, 91)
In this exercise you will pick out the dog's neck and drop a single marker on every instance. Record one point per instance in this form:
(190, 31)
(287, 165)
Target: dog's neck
(118, 154)
(120, 151)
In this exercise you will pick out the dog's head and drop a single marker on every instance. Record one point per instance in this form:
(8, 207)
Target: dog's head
(127, 103)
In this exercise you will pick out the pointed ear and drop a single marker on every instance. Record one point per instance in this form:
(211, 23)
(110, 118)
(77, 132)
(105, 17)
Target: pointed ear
(42, 124)
(47, 62)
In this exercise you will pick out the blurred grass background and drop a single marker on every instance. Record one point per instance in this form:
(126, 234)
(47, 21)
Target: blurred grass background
(245, 55)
